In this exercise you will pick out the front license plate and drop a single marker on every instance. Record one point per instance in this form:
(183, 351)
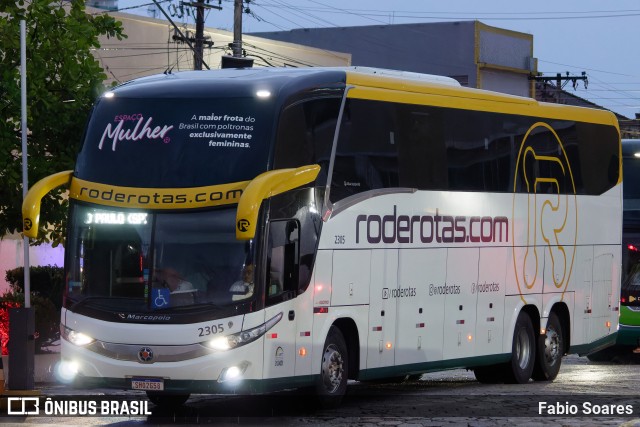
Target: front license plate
(155, 384)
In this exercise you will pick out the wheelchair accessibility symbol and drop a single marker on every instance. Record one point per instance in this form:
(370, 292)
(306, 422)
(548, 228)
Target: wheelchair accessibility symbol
(160, 297)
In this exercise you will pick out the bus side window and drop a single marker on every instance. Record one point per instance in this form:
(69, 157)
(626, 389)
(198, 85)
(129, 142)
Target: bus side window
(283, 261)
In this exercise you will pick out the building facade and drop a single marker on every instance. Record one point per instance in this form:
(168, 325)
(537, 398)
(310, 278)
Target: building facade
(475, 54)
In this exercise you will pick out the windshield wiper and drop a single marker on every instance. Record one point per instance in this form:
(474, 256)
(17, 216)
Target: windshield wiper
(190, 306)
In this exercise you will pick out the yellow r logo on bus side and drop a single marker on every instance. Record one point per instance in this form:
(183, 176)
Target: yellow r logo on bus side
(544, 227)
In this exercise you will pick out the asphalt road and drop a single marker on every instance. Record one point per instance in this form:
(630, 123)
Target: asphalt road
(584, 393)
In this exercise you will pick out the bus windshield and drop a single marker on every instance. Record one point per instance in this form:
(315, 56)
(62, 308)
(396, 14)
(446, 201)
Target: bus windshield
(136, 261)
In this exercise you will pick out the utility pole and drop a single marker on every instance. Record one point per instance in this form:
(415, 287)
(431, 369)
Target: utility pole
(237, 59)
(237, 29)
(199, 51)
(561, 81)
(199, 41)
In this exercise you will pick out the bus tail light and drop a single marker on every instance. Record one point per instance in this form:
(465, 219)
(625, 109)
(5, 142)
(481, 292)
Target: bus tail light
(239, 339)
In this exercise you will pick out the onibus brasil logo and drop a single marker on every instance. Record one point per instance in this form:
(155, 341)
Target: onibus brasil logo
(545, 216)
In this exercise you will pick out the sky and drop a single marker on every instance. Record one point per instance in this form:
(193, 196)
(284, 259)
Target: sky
(575, 36)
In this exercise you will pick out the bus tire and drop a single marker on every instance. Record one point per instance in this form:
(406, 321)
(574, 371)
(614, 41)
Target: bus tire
(331, 385)
(167, 400)
(550, 351)
(523, 351)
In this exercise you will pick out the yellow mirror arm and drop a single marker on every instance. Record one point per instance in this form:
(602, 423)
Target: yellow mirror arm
(262, 187)
(31, 203)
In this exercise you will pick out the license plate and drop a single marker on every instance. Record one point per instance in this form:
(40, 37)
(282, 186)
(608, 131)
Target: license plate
(155, 384)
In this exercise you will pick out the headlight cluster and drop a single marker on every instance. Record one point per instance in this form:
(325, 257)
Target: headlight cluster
(242, 338)
(75, 337)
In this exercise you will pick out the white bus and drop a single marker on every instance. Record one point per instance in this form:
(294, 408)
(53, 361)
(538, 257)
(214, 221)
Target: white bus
(257, 229)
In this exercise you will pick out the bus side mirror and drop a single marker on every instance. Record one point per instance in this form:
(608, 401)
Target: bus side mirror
(31, 203)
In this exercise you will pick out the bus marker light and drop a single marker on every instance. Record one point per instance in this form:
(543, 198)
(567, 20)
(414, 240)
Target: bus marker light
(419, 325)
(608, 324)
(263, 94)
(469, 338)
(272, 336)
(305, 334)
(543, 331)
(322, 310)
(388, 346)
(302, 352)
(460, 322)
(376, 328)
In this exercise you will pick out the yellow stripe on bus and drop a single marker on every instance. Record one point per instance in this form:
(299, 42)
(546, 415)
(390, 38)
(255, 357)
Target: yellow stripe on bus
(433, 94)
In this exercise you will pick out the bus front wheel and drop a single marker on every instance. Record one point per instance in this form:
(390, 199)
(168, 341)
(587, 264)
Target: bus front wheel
(332, 382)
(523, 351)
(550, 351)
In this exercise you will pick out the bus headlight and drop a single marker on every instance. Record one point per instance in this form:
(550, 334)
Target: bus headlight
(75, 337)
(242, 338)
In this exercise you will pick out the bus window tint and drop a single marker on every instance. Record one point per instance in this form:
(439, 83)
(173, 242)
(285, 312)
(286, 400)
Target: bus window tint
(366, 155)
(283, 260)
(305, 134)
(385, 145)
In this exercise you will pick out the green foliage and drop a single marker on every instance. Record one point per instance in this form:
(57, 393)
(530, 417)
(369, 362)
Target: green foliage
(47, 280)
(47, 286)
(63, 80)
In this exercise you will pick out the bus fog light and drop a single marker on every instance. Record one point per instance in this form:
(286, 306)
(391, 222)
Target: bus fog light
(66, 370)
(233, 373)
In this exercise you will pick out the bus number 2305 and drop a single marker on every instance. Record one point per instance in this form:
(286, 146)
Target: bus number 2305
(210, 330)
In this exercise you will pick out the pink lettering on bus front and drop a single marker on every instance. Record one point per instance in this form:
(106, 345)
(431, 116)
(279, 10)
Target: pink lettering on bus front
(140, 131)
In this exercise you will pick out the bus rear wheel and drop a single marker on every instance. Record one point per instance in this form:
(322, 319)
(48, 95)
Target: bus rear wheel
(523, 353)
(167, 400)
(550, 351)
(331, 385)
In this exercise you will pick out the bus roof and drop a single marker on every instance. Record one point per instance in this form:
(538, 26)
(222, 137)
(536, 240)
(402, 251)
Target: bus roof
(366, 83)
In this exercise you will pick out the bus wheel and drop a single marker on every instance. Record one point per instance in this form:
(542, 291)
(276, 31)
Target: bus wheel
(167, 400)
(332, 383)
(550, 351)
(522, 351)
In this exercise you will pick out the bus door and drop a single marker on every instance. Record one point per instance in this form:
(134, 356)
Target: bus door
(281, 288)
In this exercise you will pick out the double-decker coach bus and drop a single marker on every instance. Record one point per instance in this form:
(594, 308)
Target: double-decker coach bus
(256, 229)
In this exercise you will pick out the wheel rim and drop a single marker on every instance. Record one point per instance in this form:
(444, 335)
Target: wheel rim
(552, 347)
(332, 368)
(523, 348)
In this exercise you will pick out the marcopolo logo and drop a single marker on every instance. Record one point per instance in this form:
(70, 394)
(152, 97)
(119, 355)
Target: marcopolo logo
(394, 228)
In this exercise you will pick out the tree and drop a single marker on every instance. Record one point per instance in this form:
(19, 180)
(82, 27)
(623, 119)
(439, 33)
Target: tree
(63, 81)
